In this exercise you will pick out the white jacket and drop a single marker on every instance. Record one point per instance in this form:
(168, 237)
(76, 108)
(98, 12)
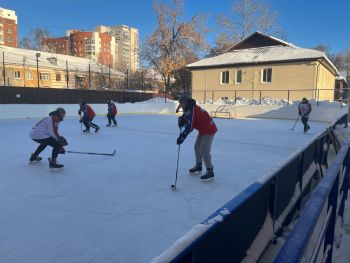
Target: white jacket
(46, 128)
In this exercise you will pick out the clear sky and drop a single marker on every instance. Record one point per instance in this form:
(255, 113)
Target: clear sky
(305, 22)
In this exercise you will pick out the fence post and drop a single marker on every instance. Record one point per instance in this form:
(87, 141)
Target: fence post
(212, 97)
(288, 98)
(235, 96)
(260, 96)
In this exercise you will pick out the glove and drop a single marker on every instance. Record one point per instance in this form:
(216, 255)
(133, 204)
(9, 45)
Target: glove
(180, 140)
(63, 141)
(79, 112)
(61, 151)
(181, 121)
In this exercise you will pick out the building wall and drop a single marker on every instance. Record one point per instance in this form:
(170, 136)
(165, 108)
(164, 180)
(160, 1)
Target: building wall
(18, 75)
(291, 76)
(8, 28)
(58, 45)
(324, 82)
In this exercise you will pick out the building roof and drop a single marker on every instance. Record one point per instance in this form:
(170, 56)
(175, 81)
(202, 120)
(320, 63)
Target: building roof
(18, 56)
(258, 39)
(263, 55)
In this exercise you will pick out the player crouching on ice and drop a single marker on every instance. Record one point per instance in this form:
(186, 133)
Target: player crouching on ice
(304, 110)
(45, 132)
(194, 117)
(88, 116)
(112, 111)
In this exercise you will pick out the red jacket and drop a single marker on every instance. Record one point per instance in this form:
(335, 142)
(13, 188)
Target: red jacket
(197, 118)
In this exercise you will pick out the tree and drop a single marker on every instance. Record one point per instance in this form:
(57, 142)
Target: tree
(247, 16)
(34, 39)
(169, 45)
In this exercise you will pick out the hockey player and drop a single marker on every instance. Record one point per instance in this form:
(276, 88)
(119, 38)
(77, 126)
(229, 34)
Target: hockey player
(112, 111)
(304, 110)
(45, 132)
(194, 117)
(88, 116)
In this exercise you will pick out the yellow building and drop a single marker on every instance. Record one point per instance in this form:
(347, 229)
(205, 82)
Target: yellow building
(264, 66)
(30, 68)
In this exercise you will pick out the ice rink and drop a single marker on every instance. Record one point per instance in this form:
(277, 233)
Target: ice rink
(121, 208)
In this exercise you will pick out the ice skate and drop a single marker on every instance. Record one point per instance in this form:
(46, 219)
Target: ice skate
(86, 131)
(34, 158)
(54, 165)
(209, 175)
(196, 170)
(97, 129)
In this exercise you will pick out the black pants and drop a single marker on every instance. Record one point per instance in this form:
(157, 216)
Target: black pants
(88, 123)
(304, 120)
(45, 142)
(111, 117)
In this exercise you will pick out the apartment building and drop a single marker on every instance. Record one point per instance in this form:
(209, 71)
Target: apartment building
(126, 45)
(8, 28)
(99, 47)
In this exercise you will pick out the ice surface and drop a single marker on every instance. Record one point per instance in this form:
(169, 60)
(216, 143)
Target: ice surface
(121, 208)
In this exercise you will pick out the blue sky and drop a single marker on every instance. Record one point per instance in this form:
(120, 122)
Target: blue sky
(305, 22)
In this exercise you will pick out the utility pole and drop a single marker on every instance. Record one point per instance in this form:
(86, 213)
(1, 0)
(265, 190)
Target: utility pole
(3, 67)
(37, 68)
(89, 76)
(67, 73)
(109, 77)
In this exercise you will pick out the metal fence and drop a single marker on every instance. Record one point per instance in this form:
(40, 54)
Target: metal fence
(256, 217)
(234, 96)
(20, 95)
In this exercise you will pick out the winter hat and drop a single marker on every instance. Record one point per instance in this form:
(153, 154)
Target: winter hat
(61, 111)
(183, 99)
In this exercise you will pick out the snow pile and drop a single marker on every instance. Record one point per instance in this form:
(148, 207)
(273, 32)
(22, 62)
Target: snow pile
(272, 102)
(249, 101)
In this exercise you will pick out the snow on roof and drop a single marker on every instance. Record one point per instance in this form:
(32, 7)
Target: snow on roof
(261, 55)
(20, 56)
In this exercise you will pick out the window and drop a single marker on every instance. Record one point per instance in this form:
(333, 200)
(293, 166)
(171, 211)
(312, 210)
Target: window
(266, 75)
(17, 74)
(10, 39)
(58, 77)
(44, 76)
(239, 76)
(9, 30)
(29, 76)
(225, 75)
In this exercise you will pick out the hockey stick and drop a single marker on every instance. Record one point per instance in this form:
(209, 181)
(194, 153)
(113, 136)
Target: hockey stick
(108, 154)
(295, 124)
(173, 186)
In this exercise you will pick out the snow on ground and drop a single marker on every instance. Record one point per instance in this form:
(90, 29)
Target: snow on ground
(121, 209)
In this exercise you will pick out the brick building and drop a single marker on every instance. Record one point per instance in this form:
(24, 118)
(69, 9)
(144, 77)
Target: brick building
(97, 46)
(8, 28)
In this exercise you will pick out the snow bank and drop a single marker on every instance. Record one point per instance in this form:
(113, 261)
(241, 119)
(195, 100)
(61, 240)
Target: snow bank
(275, 109)
(155, 105)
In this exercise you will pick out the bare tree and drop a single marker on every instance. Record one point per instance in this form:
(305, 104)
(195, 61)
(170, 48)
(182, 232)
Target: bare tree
(166, 49)
(34, 39)
(247, 16)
